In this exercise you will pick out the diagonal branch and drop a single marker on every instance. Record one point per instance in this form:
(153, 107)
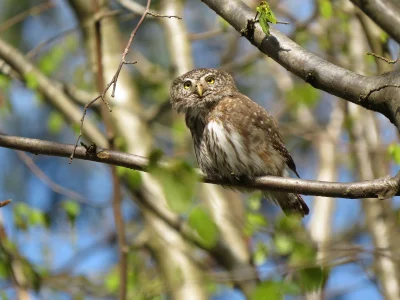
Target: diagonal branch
(384, 187)
(316, 71)
(55, 95)
(385, 13)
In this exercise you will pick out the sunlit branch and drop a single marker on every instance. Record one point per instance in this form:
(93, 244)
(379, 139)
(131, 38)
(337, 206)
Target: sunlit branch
(378, 93)
(385, 187)
(385, 13)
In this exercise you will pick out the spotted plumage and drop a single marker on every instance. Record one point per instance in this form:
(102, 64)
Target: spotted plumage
(233, 136)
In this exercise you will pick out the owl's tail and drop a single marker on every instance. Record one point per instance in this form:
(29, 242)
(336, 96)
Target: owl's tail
(290, 203)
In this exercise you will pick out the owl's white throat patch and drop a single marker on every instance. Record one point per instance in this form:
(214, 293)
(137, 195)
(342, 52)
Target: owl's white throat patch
(230, 143)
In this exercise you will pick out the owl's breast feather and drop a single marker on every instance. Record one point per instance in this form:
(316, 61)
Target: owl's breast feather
(227, 152)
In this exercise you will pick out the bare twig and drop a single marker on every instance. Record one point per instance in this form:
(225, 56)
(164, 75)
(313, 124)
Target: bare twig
(139, 9)
(117, 195)
(5, 202)
(114, 80)
(38, 9)
(389, 61)
(353, 190)
(33, 52)
(205, 35)
(28, 161)
(52, 91)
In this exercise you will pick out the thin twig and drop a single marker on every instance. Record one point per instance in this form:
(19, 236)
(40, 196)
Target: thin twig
(33, 52)
(114, 80)
(38, 9)
(139, 9)
(117, 195)
(205, 35)
(123, 62)
(5, 202)
(153, 14)
(389, 61)
(28, 161)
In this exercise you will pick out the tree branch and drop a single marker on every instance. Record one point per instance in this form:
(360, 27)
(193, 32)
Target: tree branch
(384, 187)
(48, 87)
(378, 93)
(385, 13)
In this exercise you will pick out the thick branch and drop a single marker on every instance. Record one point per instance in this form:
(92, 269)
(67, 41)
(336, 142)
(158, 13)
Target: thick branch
(379, 93)
(382, 187)
(385, 13)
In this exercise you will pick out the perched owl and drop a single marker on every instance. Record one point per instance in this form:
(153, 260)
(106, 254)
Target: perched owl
(233, 136)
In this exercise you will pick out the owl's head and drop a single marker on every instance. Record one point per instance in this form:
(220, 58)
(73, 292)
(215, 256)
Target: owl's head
(199, 89)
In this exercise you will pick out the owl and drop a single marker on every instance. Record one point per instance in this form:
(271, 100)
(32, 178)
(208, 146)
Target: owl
(233, 136)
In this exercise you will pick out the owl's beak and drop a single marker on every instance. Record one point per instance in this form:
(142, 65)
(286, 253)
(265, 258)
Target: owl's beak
(199, 90)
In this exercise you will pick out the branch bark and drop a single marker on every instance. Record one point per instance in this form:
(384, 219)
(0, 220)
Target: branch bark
(384, 187)
(166, 243)
(232, 250)
(52, 91)
(379, 216)
(377, 93)
(385, 13)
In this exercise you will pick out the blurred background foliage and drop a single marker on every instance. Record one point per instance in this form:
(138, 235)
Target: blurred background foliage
(60, 226)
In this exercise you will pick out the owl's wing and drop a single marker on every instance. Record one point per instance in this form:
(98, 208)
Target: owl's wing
(280, 146)
(256, 123)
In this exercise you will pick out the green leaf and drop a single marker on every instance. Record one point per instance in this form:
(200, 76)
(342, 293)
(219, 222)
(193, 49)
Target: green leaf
(284, 244)
(260, 253)
(72, 209)
(267, 290)
(179, 131)
(76, 128)
(4, 82)
(394, 151)
(21, 209)
(55, 122)
(302, 254)
(264, 25)
(134, 179)
(254, 221)
(312, 278)
(4, 273)
(25, 215)
(288, 224)
(303, 94)
(178, 181)
(3, 295)
(224, 24)
(202, 223)
(31, 81)
(112, 281)
(265, 16)
(154, 158)
(325, 8)
(121, 143)
(52, 60)
(254, 201)
(36, 217)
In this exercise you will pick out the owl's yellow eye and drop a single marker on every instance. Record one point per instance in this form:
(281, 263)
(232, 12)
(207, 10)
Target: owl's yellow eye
(210, 80)
(187, 85)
